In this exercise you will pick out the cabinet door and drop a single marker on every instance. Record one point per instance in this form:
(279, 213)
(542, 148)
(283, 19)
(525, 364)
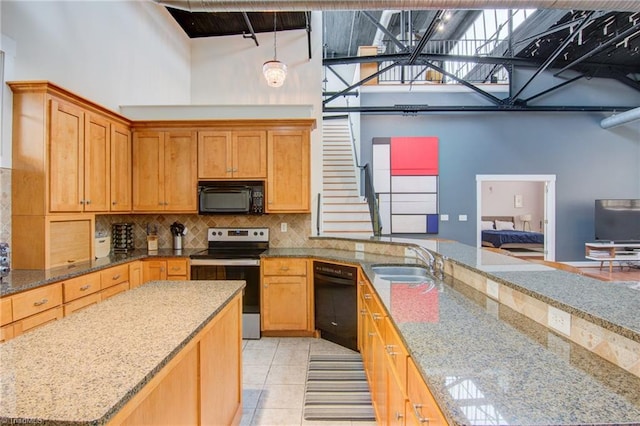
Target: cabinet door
(153, 270)
(120, 169)
(214, 155)
(97, 167)
(284, 303)
(288, 172)
(135, 274)
(396, 398)
(250, 154)
(66, 158)
(424, 407)
(180, 171)
(148, 171)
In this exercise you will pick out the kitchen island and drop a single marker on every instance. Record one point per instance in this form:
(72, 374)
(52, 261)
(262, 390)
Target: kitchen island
(152, 352)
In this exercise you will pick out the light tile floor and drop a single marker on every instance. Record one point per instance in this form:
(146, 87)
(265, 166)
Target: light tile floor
(274, 374)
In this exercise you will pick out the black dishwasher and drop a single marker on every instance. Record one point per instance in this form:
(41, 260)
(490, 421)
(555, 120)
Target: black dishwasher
(335, 292)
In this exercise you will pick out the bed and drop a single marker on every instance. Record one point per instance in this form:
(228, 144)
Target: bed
(507, 239)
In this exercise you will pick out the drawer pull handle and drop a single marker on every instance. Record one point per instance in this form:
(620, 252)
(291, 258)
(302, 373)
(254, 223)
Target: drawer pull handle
(371, 334)
(115, 277)
(416, 410)
(85, 287)
(367, 296)
(175, 268)
(363, 312)
(376, 316)
(284, 268)
(398, 416)
(41, 302)
(390, 351)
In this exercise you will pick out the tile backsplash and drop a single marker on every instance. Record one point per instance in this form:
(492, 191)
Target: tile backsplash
(298, 227)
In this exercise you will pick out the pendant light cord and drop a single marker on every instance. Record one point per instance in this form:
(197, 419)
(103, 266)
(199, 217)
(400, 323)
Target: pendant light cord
(275, 45)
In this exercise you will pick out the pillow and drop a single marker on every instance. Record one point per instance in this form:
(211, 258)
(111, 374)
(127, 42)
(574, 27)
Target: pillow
(504, 226)
(486, 225)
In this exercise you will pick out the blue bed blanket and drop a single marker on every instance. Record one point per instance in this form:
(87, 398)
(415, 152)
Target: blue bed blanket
(498, 238)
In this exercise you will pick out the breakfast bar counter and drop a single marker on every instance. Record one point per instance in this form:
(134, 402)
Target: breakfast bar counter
(84, 368)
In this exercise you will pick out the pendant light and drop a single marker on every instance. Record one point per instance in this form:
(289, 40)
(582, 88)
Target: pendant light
(274, 71)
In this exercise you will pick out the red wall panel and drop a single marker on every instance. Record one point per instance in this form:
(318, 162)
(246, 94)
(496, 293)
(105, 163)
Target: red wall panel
(414, 156)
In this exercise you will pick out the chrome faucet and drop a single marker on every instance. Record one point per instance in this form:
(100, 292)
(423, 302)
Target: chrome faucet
(420, 255)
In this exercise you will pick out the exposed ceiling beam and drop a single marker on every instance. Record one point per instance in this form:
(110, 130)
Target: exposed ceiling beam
(303, 5)
(586, 21)
(503, 60)
(385, 31)
(250, 27)
(627, 33)
(416, 109)
(551, 89)
(360, 83)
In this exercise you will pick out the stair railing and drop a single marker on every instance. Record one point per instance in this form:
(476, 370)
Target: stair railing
(372, 201)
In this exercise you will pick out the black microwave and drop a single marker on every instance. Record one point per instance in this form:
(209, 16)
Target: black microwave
(231, 197)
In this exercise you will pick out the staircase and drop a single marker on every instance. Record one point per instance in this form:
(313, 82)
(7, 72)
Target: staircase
(344, 211)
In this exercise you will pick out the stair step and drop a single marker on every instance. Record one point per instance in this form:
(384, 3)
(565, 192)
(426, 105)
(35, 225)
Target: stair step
(336, 199)
(340, 193)
(346, 208)
(346, 217)
(347, 227)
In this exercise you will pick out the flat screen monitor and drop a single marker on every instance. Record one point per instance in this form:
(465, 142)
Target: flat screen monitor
(618, 220)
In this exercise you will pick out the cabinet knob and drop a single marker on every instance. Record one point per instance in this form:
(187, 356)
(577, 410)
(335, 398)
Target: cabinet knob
(114, 203)
(88, 202)
(81, 201)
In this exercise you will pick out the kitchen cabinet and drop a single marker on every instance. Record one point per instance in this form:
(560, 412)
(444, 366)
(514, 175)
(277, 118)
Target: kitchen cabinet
(120, 168)
(114, 280)
(34, 308)
(286, 297)
(135, 274)
(164, 171)
(398, 393)
(201, 385)
(81, 292)
(232, 154)
(174, 269)
(61, 167)
(6, 317)
(288, 171)
(43, 242)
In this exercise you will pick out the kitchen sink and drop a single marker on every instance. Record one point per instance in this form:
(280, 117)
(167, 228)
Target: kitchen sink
(402, 273)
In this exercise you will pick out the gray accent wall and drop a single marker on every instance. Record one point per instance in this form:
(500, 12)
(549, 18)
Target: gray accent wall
(588, 161)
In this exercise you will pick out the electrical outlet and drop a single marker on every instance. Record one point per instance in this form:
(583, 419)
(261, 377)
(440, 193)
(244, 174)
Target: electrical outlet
(559, 320)
(462, 218)
(359, 247)
(444, 217)
(360, 255)
(411, 254)
(283, 227)
(493, 289)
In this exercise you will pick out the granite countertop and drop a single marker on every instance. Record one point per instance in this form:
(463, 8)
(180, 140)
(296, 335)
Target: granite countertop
(24, 279)
(486, 364)
(83, 368)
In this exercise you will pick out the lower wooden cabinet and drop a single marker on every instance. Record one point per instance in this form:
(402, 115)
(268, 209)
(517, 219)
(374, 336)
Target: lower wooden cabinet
(286, 296)
(165, 269)
(201, 385)
(399, 394)
(135, 274)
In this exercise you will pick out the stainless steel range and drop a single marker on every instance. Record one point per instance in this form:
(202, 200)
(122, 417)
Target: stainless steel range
(234, 254)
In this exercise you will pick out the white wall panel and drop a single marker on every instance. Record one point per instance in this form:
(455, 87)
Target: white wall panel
(384, 207)
(414, 184)
(382, 167)
(414, 203)
(409, 223)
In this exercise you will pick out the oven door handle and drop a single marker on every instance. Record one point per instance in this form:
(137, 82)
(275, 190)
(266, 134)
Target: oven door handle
(225, 262)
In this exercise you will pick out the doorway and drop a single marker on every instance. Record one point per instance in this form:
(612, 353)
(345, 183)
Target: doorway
(547, 222)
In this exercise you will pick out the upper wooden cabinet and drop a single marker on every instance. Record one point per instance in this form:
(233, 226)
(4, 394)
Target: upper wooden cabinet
(232, 154)
(61, 157)
(288, 171)
(120, 169)
(164, 171)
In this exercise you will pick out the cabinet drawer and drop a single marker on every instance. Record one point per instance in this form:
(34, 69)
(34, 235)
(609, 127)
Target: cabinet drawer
(6, 311)
(115, 275)
(33, 301)
(37, 320)
(177, 267)
(113, 290)
(285, 266)
(81, 303)
(81, 286)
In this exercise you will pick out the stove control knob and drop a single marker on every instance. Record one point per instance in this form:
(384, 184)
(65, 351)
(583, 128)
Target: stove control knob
(261, 233)
(219, 233)
(255, 233)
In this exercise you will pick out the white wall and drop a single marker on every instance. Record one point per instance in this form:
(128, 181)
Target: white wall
(112, 52)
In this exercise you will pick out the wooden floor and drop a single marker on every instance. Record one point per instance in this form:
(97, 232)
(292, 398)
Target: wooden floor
(625, 274)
